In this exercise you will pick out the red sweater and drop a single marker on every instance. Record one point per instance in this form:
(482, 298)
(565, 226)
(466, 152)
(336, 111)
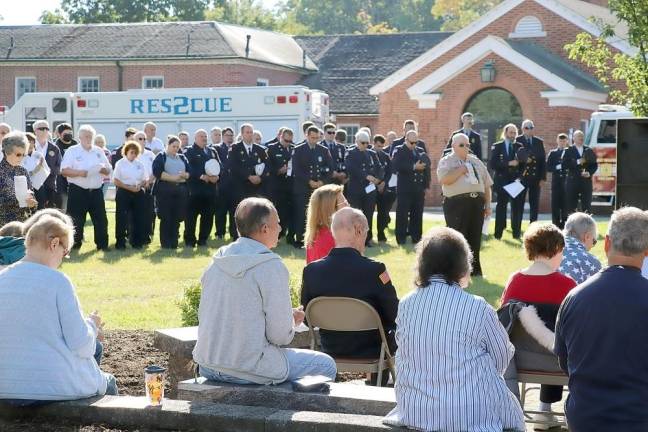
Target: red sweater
(546, 289)
(322, 245)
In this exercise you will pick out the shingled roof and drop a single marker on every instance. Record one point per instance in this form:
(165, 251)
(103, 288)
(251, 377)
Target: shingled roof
(135, 41)
(349, 65)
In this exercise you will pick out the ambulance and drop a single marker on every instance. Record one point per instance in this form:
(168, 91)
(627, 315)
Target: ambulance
(601, 137)
(173, 110)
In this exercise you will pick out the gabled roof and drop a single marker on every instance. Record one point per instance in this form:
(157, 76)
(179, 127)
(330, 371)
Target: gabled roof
(350, 64)
(575, 11)
(135, 41)
(566, 85)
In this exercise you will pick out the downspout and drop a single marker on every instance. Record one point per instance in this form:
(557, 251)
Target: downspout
(120, 76)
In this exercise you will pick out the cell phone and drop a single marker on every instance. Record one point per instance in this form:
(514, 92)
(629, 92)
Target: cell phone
(312, 384)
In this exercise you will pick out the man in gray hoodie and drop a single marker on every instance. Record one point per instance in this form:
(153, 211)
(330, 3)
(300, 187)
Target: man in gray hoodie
(245, 313)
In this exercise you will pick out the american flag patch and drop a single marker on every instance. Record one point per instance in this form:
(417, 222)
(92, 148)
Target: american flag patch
(384, 277)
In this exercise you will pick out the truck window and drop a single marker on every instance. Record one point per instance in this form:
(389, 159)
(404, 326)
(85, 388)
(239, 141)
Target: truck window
(607, 132)
(59, 105)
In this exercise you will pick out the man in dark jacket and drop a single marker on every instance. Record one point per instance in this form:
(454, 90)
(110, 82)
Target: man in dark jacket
(345, 272)
(203, 190)
(467, 123)
(247, 166)
(65, 141)
(386, 193)
(556, 167)
(580, 163)
(534, 168)
(46, 195)
(281, 181)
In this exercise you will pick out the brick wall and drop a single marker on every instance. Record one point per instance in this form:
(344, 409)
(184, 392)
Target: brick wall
(65, 78)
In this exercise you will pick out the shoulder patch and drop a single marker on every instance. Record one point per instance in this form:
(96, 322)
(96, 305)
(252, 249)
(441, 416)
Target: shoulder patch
(384, 277)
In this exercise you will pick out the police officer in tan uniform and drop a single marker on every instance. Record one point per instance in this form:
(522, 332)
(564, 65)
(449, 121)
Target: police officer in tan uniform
(466, 187)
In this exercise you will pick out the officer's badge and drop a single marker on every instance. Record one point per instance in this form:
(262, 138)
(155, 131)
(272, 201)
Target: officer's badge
(319, 158)
(51, 153)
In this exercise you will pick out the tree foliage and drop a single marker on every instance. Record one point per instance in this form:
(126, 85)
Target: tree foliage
(53, 17)
(248, 13)
(110, 11)
(615, 66)
(457, 14)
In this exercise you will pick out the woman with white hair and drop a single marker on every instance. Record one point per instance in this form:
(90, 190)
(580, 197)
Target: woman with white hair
(14, 149)
(47, 346)
(85, 165)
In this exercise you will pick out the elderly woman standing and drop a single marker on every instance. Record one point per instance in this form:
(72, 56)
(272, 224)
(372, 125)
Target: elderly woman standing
(14, 149)
(130, 177)
(452, 350)
(50, 355)
(171, 170)
(85, 165)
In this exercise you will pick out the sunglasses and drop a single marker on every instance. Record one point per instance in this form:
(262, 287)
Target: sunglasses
(461, 145)
(330, 132)
(528, 127)
(42, 128)
(141, 139)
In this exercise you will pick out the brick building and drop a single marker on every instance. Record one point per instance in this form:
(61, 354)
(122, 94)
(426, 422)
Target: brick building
(506, 66)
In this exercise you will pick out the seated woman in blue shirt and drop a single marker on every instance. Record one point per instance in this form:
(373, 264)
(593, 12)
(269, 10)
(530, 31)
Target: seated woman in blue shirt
(452, 350)
(47, 347)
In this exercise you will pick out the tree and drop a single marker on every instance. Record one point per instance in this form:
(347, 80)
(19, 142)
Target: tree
(610, 66)
(108, 11)
(242, 12)
(53, 17)
(456, 14)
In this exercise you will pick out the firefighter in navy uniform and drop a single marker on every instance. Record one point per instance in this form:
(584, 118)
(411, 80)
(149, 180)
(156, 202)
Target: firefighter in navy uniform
(311, 167)
(247, 165)
(506, 168)
(412, 165)
(365, 174)
(225, 197)
(555, 167)
(281, 181)
(203, 191)
(580, 163)
(338, 154)
(534, 167)
(408, 125)
(386, 195)
(467, 122)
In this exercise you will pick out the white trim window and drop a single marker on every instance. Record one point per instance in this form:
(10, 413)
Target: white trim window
(528, 27)
(152, 82)
(25, 85)
(262, 82)
(88, 85)
(351, 130)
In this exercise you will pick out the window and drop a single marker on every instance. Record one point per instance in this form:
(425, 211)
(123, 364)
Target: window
(351, 130)
(263, 82)
(152, 82)
(25, 85)
(88, 84)
(528, 27)
(607, 132)
(59, 105)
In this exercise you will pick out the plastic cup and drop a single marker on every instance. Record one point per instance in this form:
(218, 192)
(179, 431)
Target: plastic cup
(154, 384)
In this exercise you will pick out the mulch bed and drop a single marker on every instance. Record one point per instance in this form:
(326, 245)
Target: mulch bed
(126, 354)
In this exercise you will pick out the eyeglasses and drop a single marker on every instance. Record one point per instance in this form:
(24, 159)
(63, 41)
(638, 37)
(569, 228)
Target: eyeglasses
(141, 139)
(19, 155)
(461, 145)
(42, 128)
(528, 127)
(331, 132)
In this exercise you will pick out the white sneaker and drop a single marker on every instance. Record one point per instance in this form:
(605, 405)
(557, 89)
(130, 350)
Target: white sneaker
(547, 420)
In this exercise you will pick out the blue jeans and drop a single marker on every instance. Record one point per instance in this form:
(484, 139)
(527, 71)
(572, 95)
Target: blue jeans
(301, 363)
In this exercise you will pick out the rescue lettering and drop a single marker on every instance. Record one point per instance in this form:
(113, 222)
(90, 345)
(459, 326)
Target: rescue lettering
(181, 105)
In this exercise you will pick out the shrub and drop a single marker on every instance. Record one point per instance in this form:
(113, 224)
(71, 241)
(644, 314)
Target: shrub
(191, 300)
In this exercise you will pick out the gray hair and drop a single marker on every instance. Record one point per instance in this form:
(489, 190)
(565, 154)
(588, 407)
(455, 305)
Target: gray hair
(527, 122)
(362, 136)
(13, 140)
(459, 136)
(101, 138)
(183, 133)
(216, 128)
(346, 219)
(578, 132)
(507, 127)
(246, 125)
(251, 214)
(6, 126)
(39, 124)
(628, 231)
(89, 129)
(411, 132)
(201, 130)
(257, 132)
(578, 224)
(147, 124)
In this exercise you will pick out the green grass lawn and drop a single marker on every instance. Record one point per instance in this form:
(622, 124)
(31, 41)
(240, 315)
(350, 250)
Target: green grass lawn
(140, 289)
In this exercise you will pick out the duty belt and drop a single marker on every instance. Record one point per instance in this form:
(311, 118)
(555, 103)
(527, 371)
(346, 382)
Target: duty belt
(467, 195)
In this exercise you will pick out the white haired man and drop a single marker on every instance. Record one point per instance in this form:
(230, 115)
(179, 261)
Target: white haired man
(46, 195)
(533, 167)
(152, 143)
(601, 335)
(580, 237)
(580, 162)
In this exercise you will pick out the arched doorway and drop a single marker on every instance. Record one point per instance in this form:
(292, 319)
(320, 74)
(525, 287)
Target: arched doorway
(493, 108)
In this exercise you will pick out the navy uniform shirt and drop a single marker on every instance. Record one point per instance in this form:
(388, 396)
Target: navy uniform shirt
(401, 141)
(533, 159)
(278, 157)
(573, 168)
(498, 162)
(602, 344)
(473, 138)
(338, 154)
(403, 164)
(556, 167)
(197, 158)
(310, 164)
(385, 163)
(346, 273)
(242, 165)
(361, 164)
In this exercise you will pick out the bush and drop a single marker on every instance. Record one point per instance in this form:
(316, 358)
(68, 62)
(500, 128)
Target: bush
(191, 300)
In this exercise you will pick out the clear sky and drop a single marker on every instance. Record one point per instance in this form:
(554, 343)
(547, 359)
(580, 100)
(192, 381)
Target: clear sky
(20, 12)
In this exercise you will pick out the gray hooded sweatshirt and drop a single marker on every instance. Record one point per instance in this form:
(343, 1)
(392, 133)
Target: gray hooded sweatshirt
(245, 314)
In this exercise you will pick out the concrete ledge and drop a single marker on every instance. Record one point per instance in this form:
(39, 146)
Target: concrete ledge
(129, 411)
(342, 398)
